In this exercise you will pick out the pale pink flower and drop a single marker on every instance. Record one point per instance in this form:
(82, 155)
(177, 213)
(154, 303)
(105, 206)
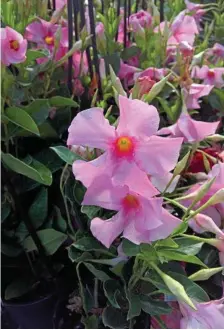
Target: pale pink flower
(126, 73)
(196, 10)
(133, 146)
(210, 76)
(152, 73)
(78, 88)
(13, 46)
(100, 30)
(60, 3)
(191, 130)
(191, 6)
(82, 70)
(42, 33)
(192, 95)
(140, 21)
(209, 315)
(145, 84)
(202, 222)
(186, 49)
(133, 214)
(217, 51)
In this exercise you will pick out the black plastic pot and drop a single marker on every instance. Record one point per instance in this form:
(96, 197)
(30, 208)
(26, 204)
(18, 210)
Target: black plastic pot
(33, 315)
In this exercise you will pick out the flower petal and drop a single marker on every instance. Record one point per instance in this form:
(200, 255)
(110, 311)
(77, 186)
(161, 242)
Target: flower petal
(90, 128)
(158, 155)
(107, 230)
(137, 118)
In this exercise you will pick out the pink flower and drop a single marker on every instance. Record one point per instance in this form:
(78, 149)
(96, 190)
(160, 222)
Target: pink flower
(60, 3)
(126, 73)
(209, 76)
(191, 130)
(13, 46)
(217, 50)
(77, 56)
(132, 147)
(183, 28)
(133, 214)
(78, 88)
(140, 21)
(145, 85)
(42, 33)
(194, 93)
(191, 6)
(172, 320)
(211, 218)
(100, 30)
(152, 73)
(209, 315)
(186, 49)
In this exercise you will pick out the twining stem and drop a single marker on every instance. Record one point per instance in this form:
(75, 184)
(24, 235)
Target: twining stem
(95, 294)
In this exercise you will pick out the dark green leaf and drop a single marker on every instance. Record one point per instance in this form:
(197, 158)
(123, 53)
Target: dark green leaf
(154, 307)
(66, 155)
(90, 244)
(180, 229)
(90, 211)
(193, 290)
(134, 305)
(50, 239)
(22, 119)
(129, 248)
(114, 318)
(188, 246)
(32, 54)
(77, 256)
(91, 322)
(129, 52)
(114, 61)
(60, 222)
(39, 209)
(5, 210)
(102, 276)
(10, 250)
(168, 242)
(36, 171)
(60, 101)
(39, 110)
(111, 289)
(18, 288)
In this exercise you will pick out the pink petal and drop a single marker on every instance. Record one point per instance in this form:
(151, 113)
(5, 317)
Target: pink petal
(90, 128)
(137, 118)
(107, 230)
(200, 73)
(150, 155)
(169, 223)
(135, 236)
(160, 182)
(104, 194)
(208, 224)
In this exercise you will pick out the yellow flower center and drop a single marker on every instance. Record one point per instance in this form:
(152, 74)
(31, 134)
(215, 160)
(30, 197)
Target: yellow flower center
(124, 144)
(14, 44)
(49, 40)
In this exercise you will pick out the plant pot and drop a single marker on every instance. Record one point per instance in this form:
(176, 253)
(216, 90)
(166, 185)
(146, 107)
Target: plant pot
(33, 315)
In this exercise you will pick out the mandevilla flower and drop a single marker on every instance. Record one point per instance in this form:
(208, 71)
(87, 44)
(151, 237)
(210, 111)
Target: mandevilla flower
(141, 219)
(210, 76)
(209, 315)
(133, 146)
(217, 51)
(191, 130)
(13, 46)
(192, 95)
(140, 21)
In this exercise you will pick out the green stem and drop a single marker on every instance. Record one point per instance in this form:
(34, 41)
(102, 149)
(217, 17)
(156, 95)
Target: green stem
(96, 287)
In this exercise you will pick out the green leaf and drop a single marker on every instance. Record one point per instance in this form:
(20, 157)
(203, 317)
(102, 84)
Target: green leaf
(129, 248)
(168, 242)
(173, 255)
(22, 119)
(111, 289)
(18, 288)
(90, 244)
(193, 290)
(188, 246)
(148, 253)
(60, 101)
(134, 305)
(205, 274)
(78, 256)
(39, 110)
(102, 276)
(66, 155)
(91, 322)
(154, 307)
(130, 52)
(114, 318)
(32, 54)
(39, 209)
(35, 170)
(114, 61)
(10, 250)
(50, 239)
(90, 211)
(60, 222)
(180, 229)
